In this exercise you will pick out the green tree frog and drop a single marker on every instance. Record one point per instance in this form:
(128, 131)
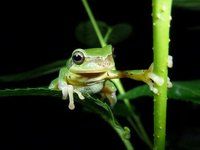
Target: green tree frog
(91, 70)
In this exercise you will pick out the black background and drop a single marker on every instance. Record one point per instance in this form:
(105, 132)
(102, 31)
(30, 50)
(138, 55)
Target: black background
(33, 34)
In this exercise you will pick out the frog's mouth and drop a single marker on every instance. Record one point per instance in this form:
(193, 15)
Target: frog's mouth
(94, 77)
(92, 74)
(88, 72)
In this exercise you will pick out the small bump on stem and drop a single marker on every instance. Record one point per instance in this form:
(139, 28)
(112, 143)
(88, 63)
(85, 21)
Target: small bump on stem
(164, 8)
(170, 18)
(158, 16)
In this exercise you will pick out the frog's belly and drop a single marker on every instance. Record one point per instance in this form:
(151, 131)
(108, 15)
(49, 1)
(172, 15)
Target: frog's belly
(90, 89)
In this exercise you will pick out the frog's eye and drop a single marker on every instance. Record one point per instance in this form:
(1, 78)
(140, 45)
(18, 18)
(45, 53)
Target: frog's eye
(78, 57)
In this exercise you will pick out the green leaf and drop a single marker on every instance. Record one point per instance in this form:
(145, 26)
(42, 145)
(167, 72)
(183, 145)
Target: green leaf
(188, 139)
(94, 105)
(40, 71)
(40, 91)
(187, 4)
(100, 107)
(112, 34)
(85, 33)
(136, 92)
(120, 109)
(181, 90)
(105, 112)
(91, 104)
(119, 33)
(186, 90)
(194, 28)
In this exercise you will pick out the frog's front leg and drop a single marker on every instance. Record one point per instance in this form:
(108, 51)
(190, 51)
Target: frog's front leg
(149, 77)
(109, 91)
(61, 84)
(146, 76)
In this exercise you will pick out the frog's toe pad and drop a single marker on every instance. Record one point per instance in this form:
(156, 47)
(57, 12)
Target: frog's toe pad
(79, 94)
(64, 88)
(169, 83)
(170, 61)
(71, 106)
(156, 79)
(64, 93)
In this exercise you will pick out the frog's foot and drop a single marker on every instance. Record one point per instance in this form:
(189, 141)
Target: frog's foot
(158, 80)
(153, 79)
(109, 91)
(112, 99)
(69, 90)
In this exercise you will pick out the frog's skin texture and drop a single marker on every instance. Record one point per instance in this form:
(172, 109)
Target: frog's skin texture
(91, 70)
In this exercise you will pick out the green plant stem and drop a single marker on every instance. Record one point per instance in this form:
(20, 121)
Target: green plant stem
(103, 43)
(108, 34)
(120, 131)
(161, 25)
(139, 128)
(142, 133)
(107, 115)
(93, 21)
(38, 72)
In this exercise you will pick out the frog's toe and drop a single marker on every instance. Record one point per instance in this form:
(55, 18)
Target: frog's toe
(156, 79)
(153, 79)
(112, 99)
(170, 61)
(64, 93)
(152, 88)
(71, 97)
(79, 94)
(64, 88)
(71, 106)
(169, 83)
(69, 90)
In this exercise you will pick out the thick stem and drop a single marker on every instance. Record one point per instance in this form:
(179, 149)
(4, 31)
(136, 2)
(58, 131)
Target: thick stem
(161, 26)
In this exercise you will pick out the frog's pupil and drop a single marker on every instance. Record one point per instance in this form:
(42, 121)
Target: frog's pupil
(78, 58)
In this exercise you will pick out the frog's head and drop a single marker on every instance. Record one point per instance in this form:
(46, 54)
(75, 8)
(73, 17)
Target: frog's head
(93, 60)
